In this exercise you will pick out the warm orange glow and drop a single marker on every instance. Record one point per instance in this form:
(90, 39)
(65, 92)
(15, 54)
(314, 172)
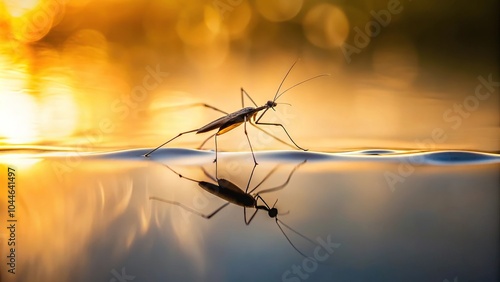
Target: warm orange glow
(170, 115)
(64, 219)
(18, 118)
(21, 161)
(31, 20)
(396, 62)
(59, 114)
(237, 22)
(81, 77)
(86, 75)
(20, 8)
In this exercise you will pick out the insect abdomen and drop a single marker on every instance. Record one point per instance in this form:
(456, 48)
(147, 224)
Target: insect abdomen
(231, 195)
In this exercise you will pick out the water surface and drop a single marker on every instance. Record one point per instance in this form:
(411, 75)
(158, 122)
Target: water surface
(387, 215)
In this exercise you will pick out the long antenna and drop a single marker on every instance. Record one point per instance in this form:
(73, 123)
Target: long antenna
(288, 239)
(296, 232)
(321, 75)
(284, 78)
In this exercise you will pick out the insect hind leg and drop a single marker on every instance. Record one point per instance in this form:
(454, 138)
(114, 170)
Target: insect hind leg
(178, 135)
(204, 142)
(207, 216)
(192, 105)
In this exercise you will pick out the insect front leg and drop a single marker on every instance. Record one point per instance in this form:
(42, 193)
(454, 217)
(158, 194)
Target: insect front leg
(279, 186)
(248, 139)
(215, 160)
(245, 215)
(278, 124)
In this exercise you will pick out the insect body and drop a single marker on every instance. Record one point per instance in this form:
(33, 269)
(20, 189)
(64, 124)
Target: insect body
(230, 121)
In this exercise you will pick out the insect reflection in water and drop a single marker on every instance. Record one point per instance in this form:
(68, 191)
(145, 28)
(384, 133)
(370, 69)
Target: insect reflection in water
(233, 194)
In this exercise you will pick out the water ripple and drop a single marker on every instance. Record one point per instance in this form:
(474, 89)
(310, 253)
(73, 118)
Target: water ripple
(190, 156)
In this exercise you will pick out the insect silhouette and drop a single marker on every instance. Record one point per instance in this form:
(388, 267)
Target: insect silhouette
(233, 194)
(230, 121)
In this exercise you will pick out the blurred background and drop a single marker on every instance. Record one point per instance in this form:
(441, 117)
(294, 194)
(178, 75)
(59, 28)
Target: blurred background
(97, 75)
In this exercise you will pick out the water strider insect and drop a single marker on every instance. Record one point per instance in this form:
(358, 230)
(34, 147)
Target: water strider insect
(246, 114)
(233, 194)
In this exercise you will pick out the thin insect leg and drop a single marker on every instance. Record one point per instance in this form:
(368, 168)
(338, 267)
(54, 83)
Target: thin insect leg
(297, 232)
(260, 198)
(215, 161)
(248, 95)
(245, 215)
(198, 104)
(282, 185)
(284, 78)
(208, 174)
(208, 216)
(180, 134)
(180, 175)
(264, 179)
(289, 241)
(206, 140)
(279, 124)
(218, 210)
(274, 137)
(250, 179)
(261, 115)
(246, 134)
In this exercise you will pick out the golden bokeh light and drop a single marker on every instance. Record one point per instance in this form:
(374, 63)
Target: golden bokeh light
(80, 74)
(326, 26)
(239, 21)
(280, 10)
(206, 42)
(198, 25)
(32, 20)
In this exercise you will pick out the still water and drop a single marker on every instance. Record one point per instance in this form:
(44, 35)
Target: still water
(376, 215)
